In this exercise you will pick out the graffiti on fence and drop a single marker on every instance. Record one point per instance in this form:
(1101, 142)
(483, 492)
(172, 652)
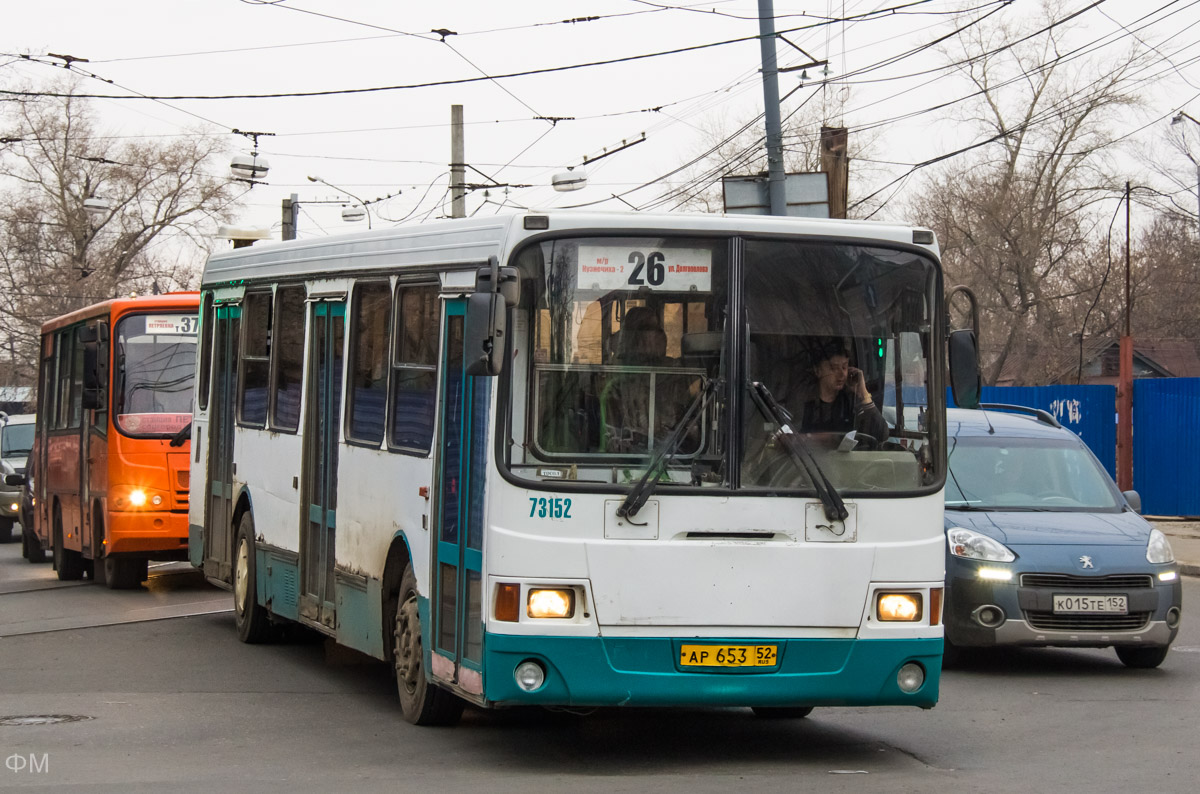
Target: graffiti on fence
(1067, 408)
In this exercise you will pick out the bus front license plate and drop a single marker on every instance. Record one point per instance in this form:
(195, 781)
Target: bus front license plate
(1117, 604)
(728, 655)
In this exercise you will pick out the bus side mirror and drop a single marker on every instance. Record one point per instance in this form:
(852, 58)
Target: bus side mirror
(964, 369)
(508, 282)
(95, 366)
(483, 334)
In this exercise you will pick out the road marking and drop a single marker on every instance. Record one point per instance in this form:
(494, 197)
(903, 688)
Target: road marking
(144, 615)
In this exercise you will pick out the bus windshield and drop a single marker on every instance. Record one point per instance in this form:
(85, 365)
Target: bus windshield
(154, 360)
(626, 333)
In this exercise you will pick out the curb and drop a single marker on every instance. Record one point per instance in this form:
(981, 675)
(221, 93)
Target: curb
(1187, 569)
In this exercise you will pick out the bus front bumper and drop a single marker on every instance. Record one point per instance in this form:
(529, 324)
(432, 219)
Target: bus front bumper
(625, 671)
(147, 533)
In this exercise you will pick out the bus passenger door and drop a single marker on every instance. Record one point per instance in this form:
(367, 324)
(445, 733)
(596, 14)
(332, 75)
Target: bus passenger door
(323, 413)
(218, 530)
(456, 600)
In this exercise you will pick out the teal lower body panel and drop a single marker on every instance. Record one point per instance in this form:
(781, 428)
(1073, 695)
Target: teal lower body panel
(596, 671)
(196, 545)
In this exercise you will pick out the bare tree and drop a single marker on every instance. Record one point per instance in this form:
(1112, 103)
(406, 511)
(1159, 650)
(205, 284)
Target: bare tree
(162, 206)
(1018, 221)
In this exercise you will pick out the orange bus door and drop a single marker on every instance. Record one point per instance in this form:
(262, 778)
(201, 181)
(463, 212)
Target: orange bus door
(323, 407)
(218, 526)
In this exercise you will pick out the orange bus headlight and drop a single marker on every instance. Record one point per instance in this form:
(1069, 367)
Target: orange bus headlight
(131, 497)
(898, 607)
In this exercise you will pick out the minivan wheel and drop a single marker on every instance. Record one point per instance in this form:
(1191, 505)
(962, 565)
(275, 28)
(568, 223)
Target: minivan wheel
(1142, 658)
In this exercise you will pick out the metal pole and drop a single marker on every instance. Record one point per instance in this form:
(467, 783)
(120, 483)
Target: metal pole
(1125, 378)
(458, 167)
(770, 80)
(1197, 198)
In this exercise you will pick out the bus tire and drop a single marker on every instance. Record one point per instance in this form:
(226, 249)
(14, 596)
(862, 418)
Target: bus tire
(421, 702)
(253, 620)
(68, 564)
(6, 530)
(31, 546)
(121, 573)
(782, 712)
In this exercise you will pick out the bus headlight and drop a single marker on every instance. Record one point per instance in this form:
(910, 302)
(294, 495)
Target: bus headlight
(551, 603)
(131, 497)
(898, 607)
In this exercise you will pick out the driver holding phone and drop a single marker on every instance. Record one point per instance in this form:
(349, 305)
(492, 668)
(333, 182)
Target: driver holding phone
(840, 402)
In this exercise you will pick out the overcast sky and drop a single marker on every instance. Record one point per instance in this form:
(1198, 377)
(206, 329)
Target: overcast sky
(376, 143)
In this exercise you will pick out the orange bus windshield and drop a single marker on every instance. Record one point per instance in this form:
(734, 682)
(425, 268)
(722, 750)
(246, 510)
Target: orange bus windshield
(154, 357)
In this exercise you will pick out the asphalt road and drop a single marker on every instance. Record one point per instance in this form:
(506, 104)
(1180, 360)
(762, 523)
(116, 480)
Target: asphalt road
(171, 700)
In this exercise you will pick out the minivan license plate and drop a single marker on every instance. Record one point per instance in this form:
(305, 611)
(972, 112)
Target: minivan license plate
(1112, 604)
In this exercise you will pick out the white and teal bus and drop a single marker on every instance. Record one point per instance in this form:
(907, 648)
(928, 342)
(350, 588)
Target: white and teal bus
(584, 460)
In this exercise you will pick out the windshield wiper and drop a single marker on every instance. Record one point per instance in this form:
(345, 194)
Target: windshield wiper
(801, 455)
(184, 434)
(641, 490)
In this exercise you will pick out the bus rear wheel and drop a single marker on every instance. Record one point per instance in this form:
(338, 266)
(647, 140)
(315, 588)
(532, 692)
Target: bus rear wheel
(68, 564)
(253, 620)
(421, 702)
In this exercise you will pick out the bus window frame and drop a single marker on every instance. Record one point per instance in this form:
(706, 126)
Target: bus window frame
(352, 344)
(433, 283)
(114, 403)
(207, 317)
(937, 363)
(243, 358)
(273, 383)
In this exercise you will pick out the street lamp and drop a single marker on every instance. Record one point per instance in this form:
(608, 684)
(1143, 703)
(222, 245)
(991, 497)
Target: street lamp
(1178, 119)
(348, 214)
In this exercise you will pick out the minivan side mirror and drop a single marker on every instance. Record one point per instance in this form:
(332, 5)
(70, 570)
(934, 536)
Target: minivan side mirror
(965, 381)
(1134, 499)
(14, 479)
(483, 334)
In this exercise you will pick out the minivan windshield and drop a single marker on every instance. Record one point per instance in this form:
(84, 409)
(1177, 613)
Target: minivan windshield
(1026, 474)
(16, 441)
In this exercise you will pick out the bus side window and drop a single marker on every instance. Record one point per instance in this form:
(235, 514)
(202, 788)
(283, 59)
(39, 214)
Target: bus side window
(367, 395)
(288, 336)
(207, 318)
(413, 388)
(256, 358)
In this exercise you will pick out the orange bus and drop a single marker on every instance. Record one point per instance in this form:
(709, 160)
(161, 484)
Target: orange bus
(110, 464)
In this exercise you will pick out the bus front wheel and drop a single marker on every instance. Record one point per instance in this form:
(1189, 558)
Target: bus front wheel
(421, 702)
(253, 621)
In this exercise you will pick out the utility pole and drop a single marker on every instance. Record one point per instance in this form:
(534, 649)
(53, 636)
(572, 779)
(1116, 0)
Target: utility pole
(770, 79)
(291, 209)
(1125, 389)
(836, 165)
(458, 166)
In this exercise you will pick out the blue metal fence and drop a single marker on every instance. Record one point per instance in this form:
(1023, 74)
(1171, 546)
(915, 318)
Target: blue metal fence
(1166, 446)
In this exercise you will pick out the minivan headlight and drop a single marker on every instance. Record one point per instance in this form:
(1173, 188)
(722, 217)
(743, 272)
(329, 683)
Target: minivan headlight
(1158, 550)
(972, 545)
